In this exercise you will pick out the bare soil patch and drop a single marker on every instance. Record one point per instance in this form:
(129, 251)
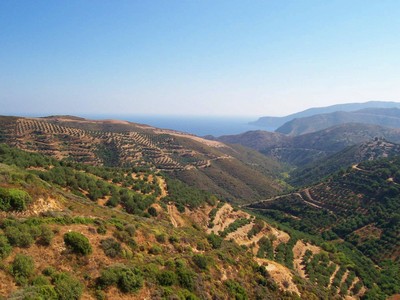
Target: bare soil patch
(298, 252)
(281, 275)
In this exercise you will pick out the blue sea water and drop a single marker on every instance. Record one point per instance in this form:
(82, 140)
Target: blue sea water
(197, 125)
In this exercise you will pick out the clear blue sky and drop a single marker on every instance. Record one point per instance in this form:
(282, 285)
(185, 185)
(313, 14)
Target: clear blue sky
(196, 57)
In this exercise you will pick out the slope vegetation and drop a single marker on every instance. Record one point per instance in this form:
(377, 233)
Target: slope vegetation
(307, 148)
(130, 233)
(371, 150)
(113, 143)
(359, 205)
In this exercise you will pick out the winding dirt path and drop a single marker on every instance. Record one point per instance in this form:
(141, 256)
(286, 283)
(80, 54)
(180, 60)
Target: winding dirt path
(163, 187)
(174, 216)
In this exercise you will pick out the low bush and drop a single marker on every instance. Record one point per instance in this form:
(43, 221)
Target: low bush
(77, 243)
(13, 199)
(22, 268)
(214, 240)
(111, 247)
(19, 235)
(236, 290)
(127, 279)
(5, 247)
(166, 278)
(67, 287)
(46, 235)
(200, 261)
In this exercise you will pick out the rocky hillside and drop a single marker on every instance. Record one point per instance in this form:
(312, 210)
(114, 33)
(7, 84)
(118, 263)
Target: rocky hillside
(59, 239)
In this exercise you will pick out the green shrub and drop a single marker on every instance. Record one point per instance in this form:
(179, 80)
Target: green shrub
(236, 290)
(46, 235)
(19, 235)
(127, 279)
(214, 240)
(173, 239)
(22, 268)
(200, 261)
(160, 238)
(155, 249)
(152, 211)
(186, 278)
(13, 199)
(108, 277)
(67, 287)
(166, 278)
(101, 229)
(49, 271)
(130, 229)
(111, 247)
(5, 247)
(40, 280)
(77, 243)
(41, 292)
(130, 280)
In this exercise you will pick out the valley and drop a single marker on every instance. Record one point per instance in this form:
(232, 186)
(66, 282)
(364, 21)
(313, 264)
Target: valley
(191, 218)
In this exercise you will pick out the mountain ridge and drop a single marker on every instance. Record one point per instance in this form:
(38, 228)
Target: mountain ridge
(387, 117)
(273, 123)
(303, 149)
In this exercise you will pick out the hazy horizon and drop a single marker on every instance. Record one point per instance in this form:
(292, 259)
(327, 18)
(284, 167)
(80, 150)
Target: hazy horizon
(196, 58)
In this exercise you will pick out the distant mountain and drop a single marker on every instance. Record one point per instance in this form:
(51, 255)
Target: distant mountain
(367, 151)
(304, 149)
(388, 117)
(272, 123)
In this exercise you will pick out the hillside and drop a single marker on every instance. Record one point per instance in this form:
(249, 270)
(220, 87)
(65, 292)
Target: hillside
(308, 148)
(58, 245)
(272, 123)
(359, 205)
(208, 164)
(371, 150)
(60, 239)
(387, 117)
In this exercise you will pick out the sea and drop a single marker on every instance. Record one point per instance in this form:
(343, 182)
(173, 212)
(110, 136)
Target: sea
(198, 125)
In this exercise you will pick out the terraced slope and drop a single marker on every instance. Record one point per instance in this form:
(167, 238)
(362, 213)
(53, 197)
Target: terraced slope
(286, 258)
(370, 150)
(359, 205)
(134, 234)
(233, 173)
(114, 255)
(307, 148)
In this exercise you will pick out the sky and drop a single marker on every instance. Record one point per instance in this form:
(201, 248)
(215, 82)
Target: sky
(196, 57)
